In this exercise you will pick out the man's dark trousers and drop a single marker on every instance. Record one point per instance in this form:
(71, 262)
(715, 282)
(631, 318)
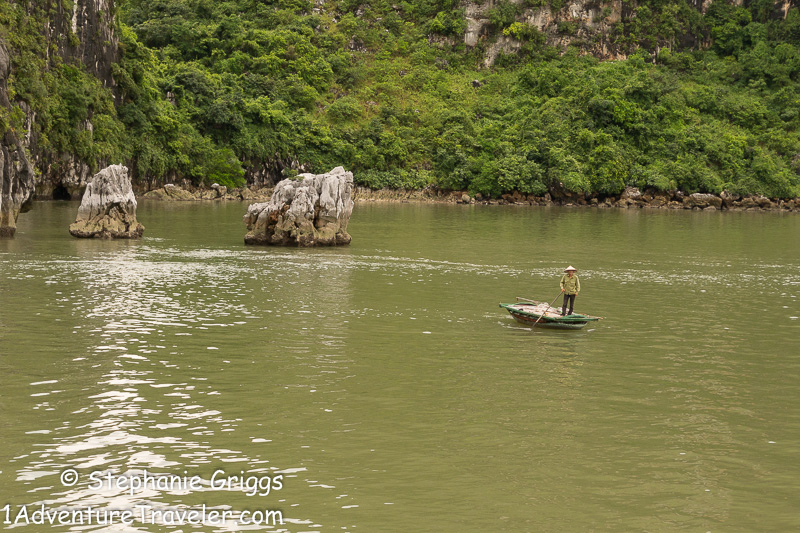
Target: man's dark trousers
(568, 299)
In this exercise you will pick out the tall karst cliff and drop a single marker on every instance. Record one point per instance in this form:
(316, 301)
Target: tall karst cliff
(16, 172)
(84, 36)
(51, 51)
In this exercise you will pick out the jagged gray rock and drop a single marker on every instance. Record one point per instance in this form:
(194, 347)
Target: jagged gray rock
(311, 212)
(220, 190)
(702, 201)
(631, 193)
(170, 191)
(108, 208)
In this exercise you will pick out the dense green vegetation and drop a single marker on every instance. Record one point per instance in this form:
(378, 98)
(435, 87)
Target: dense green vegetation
(212, 89)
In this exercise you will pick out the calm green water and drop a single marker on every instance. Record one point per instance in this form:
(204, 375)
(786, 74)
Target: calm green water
(386, 386)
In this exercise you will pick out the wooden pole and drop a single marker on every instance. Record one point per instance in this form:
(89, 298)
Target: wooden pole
(546, 310)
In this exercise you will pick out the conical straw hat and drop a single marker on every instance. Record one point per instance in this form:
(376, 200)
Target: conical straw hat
(570, 268)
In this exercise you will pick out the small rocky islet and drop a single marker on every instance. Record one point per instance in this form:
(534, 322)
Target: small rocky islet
(108, 207)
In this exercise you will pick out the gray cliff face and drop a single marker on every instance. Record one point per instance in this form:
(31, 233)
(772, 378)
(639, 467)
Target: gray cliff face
(16, 172)
(590, 24)
(108, 208)
(268, 173)
(96, 46)
(311, 212)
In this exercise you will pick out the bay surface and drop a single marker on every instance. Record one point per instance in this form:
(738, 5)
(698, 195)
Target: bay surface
(386, 386)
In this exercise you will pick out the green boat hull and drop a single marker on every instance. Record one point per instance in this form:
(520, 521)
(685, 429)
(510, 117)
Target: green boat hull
(525, 314)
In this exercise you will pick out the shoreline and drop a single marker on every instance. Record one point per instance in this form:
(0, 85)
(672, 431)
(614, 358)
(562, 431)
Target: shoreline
(631, 198)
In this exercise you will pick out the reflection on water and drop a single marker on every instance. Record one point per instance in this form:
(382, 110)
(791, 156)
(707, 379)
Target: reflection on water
(386, 386)
(141, 316)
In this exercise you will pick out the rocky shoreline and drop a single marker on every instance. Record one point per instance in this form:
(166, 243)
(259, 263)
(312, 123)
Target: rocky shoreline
(175, 193)
(631, 198)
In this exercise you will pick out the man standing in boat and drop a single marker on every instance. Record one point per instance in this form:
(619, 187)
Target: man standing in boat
(570, 286)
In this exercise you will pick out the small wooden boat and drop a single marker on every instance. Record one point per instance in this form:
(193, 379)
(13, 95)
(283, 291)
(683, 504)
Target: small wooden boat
(541, 315)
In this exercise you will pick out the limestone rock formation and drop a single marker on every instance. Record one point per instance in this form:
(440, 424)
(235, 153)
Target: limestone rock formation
(16, 171)
(631, 193)
(584, 21)
(588, 25)
(220, 190)
(170, 192)
(311, 212)
(703, 201)
(108, 208)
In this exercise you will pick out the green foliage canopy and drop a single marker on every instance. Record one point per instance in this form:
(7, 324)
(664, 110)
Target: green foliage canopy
(209, 90)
